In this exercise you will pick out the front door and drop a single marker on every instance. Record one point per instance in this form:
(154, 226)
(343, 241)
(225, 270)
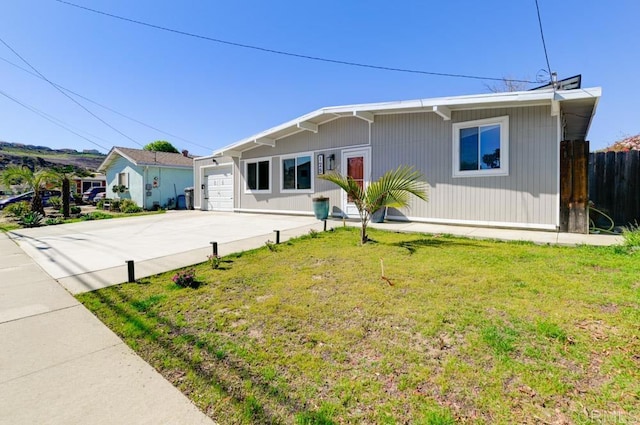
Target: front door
(357, 166)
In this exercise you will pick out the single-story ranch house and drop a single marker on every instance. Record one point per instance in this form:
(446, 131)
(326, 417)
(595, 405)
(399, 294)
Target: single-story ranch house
(152, 179)
(489, 160)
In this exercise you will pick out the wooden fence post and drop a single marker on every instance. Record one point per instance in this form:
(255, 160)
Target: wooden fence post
(574, 196)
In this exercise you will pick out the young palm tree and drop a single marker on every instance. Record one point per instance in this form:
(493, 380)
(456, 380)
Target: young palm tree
(35, 181)
(393, 189)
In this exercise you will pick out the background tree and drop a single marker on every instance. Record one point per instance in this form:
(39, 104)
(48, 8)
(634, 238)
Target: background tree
(507, 85)
(631, 143)
(34, 180)
(160, 146)
(393, 189)
(65, 184)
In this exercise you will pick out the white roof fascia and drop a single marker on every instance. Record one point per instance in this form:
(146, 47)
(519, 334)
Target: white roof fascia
(452, 103)
(593, 113)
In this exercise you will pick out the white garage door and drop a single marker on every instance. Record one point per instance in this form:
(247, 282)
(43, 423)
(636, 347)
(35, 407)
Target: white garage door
(220, 189)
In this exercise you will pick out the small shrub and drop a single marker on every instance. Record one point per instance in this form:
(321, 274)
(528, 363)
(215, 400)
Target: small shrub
(55, 202)
(53, 221)
(631, 236)
(313, 233)
(96, 215)
(100, 203)
(129, 207)
(214, 260)
(31, 219)
(185, 278)
(18, 209)
(74, 209)
(271, 245)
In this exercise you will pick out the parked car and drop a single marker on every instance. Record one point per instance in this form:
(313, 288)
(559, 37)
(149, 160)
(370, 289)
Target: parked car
(99, 197)
(89, 195)
(28, 196)
(16, 198)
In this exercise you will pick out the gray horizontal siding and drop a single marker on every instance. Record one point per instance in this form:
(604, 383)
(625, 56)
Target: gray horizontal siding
(330, 139)
(526, 196)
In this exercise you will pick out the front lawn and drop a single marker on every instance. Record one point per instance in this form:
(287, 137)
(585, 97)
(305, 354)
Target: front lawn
(459, 331)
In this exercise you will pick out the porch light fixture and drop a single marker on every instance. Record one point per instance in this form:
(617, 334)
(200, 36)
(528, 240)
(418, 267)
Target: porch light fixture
(331, 162)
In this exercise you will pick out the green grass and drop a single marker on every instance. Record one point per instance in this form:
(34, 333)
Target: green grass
(8, 226)
(469, 331)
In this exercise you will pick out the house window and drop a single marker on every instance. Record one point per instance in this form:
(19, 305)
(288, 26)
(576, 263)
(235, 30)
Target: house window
(258, 176)
(123, 179)
(481, 147)
(297, 173)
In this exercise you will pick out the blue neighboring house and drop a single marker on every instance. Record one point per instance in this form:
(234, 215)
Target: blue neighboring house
(152, 179)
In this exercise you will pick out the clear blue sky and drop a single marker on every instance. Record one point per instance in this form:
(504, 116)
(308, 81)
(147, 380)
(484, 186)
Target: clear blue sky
(213, 94)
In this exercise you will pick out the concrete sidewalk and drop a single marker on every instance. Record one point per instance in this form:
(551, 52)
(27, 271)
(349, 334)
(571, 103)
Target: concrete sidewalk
(60, 365)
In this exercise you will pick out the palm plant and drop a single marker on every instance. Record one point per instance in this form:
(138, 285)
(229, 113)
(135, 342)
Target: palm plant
(393, 189)
(34, 180)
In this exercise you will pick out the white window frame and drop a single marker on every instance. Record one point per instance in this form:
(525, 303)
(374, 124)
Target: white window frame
(245, 175)
(123, 176)
(503, 122)
(312, 176)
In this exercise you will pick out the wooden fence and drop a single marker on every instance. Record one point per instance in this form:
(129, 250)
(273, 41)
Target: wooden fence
(614, 185)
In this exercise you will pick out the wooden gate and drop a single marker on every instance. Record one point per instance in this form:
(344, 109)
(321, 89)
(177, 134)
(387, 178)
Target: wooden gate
(574, 194)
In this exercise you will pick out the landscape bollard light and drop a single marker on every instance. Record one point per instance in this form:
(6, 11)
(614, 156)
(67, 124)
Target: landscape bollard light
(130, 271)
(277, 236)
(214, 245)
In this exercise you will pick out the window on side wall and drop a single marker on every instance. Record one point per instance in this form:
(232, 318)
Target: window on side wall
(257, 176)
(123, 179)
(481, 148)
(297, 173)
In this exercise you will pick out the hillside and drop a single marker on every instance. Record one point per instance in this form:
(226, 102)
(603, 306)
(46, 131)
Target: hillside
(45, 157)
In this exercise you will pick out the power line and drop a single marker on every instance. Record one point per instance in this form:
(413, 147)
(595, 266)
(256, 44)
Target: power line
(546, 55)
(51, 119)
(69, 97)
(107, 107)
(284, 53)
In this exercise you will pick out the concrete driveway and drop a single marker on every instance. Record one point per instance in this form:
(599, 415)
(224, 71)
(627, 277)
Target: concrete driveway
(91, 255)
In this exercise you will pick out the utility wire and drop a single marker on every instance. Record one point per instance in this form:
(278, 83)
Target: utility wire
(546, 55)
(69, 97)
(50, 118)
(284, 53)
(106, 107)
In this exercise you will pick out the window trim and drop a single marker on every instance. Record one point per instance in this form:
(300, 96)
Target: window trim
(126, 177)
(503, 122)
(312, 170)
(245, 174)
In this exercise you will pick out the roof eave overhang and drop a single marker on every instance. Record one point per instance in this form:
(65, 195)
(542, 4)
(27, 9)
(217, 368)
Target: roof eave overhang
(443, 107)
